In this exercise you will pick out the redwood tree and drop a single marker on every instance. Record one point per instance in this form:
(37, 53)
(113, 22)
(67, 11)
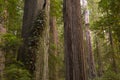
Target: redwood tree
(73, 33)
(35, 33)
(53, 49)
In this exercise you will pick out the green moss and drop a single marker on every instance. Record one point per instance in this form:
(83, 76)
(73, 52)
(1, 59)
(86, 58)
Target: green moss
(37, 29)
(35, 40)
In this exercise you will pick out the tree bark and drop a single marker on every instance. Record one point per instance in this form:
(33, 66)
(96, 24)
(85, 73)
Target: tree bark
(114, 65)
(73, 33)
(35, 33)
(100, 69)
(53, 74)
(2, 54)
(2, 64)
(90, 57)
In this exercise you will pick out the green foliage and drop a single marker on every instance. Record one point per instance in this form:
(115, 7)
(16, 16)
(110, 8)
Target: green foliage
(110, 6)
(109, 75)
(11, 12)
(56, 8)
(105, 21)
(37, 30)
(9, 42)
(15, 72)
(15, 12)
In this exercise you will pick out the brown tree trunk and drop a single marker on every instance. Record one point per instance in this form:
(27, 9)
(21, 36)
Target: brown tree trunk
(2, 54)
(100, 69)
(2, 64)
(114, 65)
(53, 33)
(53, 50)
(74, 52)
(3, 31)
(35, 34)
(90, 57)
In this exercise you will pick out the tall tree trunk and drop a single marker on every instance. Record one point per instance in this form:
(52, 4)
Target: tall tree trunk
(2, 53)
(74, 52)
(100, 69)
(53, 33)
(90, 57)
(53, 50)
(35, 34)
(2, 60)
(2, 64)
(114, 65)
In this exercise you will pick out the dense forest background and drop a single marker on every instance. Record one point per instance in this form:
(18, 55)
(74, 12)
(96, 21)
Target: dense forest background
(59, 39)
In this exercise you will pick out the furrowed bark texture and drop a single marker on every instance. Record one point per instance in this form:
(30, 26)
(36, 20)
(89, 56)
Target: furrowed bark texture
(90, 56)
(35, 34)
(99, 62)
(2, 54)
(53, 73)
(74, 51)
(114, 65)
(2, 64)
